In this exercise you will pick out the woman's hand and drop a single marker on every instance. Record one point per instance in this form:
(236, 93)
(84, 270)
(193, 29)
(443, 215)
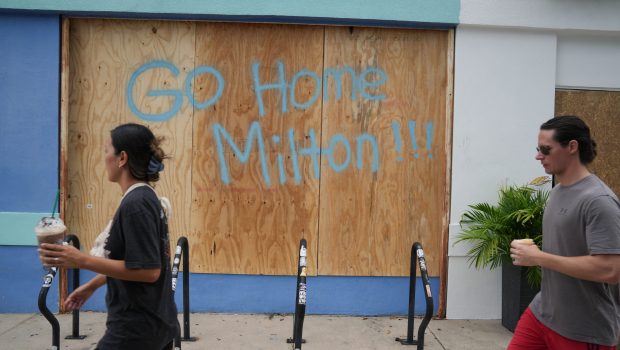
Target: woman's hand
(60, 255)
(78, 297)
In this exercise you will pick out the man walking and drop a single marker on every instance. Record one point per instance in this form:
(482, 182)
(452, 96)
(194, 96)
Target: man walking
(578, 306)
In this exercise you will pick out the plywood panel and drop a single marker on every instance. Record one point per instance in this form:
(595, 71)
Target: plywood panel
(600, 110)
(104, 55)
(251, 219)
(369, 219)
(214, 89)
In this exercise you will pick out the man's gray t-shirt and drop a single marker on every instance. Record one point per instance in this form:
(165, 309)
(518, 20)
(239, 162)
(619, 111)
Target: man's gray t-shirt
(580, 219)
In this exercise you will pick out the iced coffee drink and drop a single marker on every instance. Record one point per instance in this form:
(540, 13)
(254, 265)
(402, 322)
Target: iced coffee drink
(527, 241)
(50, 230)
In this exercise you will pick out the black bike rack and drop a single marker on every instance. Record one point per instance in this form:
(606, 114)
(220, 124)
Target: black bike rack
(300, 298)
(75, 334)
(417, 251)
(182, 249)
(47, 282)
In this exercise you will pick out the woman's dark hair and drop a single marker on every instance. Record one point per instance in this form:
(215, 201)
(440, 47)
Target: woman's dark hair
(144, 154)
(570, 127)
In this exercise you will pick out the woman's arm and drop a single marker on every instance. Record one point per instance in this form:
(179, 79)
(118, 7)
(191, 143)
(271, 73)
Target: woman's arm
(80, 295)
(69, 257)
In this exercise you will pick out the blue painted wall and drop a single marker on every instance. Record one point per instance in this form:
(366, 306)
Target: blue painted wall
(29, 86)
(29, 139)
(22, 277)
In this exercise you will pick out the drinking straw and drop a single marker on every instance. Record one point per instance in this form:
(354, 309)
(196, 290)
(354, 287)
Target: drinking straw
(55, 203)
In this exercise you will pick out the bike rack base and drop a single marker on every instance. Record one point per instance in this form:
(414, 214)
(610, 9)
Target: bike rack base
(79, 337)
(404, 341)
(292, 341)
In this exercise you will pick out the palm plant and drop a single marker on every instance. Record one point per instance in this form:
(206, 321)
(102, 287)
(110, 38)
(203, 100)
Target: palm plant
(490, 228)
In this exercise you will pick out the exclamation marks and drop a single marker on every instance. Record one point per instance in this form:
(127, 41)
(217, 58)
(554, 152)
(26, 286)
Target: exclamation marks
(398, 144)
(414, 141)
(429, 138)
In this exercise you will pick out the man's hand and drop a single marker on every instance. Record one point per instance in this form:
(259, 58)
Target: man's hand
(524, 253)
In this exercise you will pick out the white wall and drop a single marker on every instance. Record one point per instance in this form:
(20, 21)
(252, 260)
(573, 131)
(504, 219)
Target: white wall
(588, 61)
(504, 86)
(551, 14)
(510, 55)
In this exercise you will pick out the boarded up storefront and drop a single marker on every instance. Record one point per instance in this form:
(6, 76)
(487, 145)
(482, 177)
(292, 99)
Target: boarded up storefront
(599, 109)
(338, 135)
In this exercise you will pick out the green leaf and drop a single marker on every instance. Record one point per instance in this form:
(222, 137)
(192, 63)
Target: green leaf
(490, 228)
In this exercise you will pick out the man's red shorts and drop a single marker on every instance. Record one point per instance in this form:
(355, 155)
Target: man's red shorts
(531, 334)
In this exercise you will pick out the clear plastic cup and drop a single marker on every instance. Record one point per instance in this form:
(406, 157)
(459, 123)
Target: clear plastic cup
(50, 230)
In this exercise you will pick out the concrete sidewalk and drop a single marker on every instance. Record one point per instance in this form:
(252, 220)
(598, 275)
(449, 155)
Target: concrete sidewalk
(269, 332)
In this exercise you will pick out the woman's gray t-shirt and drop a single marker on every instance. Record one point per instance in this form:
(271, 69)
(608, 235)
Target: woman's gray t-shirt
(580, 219)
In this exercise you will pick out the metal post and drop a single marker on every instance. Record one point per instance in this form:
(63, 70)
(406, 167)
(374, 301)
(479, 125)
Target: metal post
(73, 239)
(47, 282)
(182, 249)
(417, 251)
(186, 324)
(300, 298)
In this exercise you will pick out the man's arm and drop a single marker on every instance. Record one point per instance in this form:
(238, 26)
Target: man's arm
(603, 268)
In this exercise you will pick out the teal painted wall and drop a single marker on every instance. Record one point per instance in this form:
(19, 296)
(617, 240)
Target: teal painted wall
(18, 228)
(423, 11)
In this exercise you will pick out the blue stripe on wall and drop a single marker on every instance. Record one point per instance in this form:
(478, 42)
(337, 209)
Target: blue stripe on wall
(437, 11)
(232, 293)
(29, 86)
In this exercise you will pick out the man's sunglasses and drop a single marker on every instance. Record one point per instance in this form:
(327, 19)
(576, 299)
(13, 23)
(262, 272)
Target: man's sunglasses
(544, 150)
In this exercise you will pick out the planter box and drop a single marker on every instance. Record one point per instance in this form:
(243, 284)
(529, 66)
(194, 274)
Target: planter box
(516, 294)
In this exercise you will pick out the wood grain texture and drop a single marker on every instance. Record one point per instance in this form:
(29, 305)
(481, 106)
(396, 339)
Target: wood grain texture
(104, 54)
(443, 263)
(248, 226)
(64, 118)
(601, 111)
(368, 221)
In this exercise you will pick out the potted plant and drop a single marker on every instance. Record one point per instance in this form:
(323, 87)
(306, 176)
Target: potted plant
(491, 227)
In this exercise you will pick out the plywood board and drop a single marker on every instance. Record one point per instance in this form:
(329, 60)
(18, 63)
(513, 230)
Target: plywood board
(369, 218)
(333, 134)
(600, 110)
(251, 219)
(104, 55)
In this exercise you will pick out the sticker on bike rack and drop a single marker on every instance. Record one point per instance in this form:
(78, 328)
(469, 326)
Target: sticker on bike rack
(428, 291)
(420, 253)
(422, 264)
(178, 251)
(302, 294)
(47, 280)
(302, 251)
